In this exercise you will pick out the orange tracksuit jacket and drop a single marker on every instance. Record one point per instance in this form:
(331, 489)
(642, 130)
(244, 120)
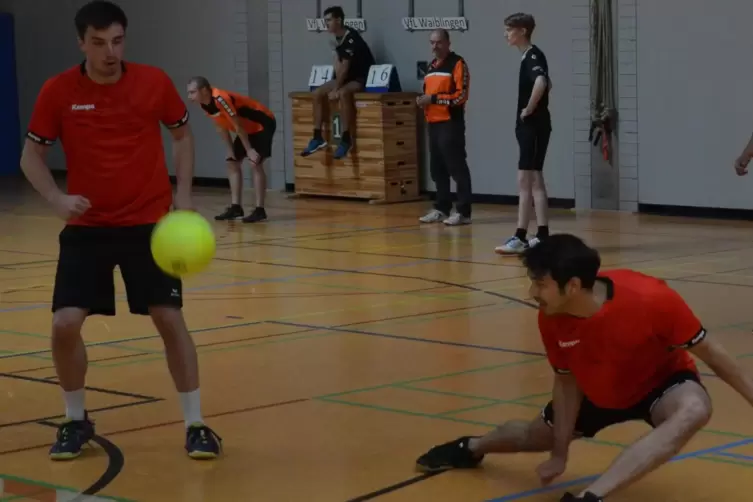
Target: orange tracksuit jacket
(447, 82)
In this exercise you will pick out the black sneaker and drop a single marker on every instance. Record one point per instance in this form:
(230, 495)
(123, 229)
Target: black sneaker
(452, 455)
(259, 214)
(202, 443)
(232, 212)
(71, 437)
(587, 497)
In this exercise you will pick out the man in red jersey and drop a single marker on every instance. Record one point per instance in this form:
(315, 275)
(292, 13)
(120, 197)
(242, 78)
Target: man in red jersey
(620, 344)
(107, 114)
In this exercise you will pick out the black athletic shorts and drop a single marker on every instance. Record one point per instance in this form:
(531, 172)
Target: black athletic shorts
(592, 419)
(260, 141)
(533, 140)
(85, 271)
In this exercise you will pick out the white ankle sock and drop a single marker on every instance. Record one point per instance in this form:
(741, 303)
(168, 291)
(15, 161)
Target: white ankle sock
(191, 404)
(74, 404)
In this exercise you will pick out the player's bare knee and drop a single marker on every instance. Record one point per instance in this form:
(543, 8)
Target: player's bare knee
(539, 436)
(537, 181)
(168, 321)
(695, 411)
(688, 404)
(66, 324)
(525, 181)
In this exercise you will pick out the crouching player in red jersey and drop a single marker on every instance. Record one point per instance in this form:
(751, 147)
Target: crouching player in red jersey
(619, 342)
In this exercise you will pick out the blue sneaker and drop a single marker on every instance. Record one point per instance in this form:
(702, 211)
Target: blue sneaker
(202, 443)
(315, 145)
(342, 150)
(71, 437)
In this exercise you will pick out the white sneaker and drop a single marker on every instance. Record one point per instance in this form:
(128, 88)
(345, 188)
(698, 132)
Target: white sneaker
(433, 216)
(457, 219)
(513, 245)
(533, 241)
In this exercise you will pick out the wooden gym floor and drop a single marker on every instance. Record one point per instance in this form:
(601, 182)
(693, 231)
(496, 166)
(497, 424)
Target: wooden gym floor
(337, 342)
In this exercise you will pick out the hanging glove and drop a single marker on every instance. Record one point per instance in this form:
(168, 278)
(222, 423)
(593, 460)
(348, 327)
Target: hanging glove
(601, 132)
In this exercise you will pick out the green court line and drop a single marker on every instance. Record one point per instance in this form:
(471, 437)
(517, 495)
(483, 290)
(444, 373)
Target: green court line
(600, 442)
(437, 417)
(468, 408)
(451, 296)
(720, 460)
(490, 400)
(417, 319)
(47, 337)
(22, 333)
(521, 401)
(115, 343)
(532, 396)
(50, 486)
(726, 433)
(520, 362)
(134, 339)
(286, 339)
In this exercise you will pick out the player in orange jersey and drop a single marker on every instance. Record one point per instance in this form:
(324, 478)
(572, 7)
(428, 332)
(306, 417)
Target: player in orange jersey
(254, 127)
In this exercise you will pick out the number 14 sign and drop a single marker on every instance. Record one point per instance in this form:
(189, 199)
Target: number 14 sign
(382, 78)
(320, 75)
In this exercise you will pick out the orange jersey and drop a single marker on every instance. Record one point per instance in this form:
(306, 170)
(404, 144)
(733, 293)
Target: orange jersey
(631, 346)
(225, 105)
(447, 82)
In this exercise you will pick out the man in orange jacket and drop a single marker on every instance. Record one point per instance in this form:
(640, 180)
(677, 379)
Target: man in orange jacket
(445, 94)
(254, 126)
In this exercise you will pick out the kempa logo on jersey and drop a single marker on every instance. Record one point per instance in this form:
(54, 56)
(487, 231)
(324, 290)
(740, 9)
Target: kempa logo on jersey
(82, 107)
(566, 345)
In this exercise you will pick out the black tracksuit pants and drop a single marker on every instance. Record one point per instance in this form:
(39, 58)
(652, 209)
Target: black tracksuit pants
(448, 158)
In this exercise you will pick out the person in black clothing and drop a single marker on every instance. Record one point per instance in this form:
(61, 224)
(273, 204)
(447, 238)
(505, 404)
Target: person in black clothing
(352, 64)
(533, 127)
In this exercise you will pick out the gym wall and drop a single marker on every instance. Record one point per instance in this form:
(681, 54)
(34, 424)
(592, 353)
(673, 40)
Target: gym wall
(492, 148)
(684, 83)
(695, 102)
(225, 40)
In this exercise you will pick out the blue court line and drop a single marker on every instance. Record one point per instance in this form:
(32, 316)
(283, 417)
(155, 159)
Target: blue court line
(588, 479)
(735, 455)
(407, 338)
(288, 278)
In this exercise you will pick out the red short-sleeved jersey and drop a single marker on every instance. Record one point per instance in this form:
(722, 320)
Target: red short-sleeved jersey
(112, 140)
(253, 116)
(631, 346)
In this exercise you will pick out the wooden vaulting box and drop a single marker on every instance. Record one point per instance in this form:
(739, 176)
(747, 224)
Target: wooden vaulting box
(382, 166)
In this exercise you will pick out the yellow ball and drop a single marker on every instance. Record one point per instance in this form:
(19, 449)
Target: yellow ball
(183, 243)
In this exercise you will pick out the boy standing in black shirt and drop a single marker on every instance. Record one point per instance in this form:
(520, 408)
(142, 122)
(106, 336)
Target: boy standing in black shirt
(354, 59)
(533, 128)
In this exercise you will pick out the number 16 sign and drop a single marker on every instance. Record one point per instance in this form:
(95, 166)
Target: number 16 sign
(382, 78)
